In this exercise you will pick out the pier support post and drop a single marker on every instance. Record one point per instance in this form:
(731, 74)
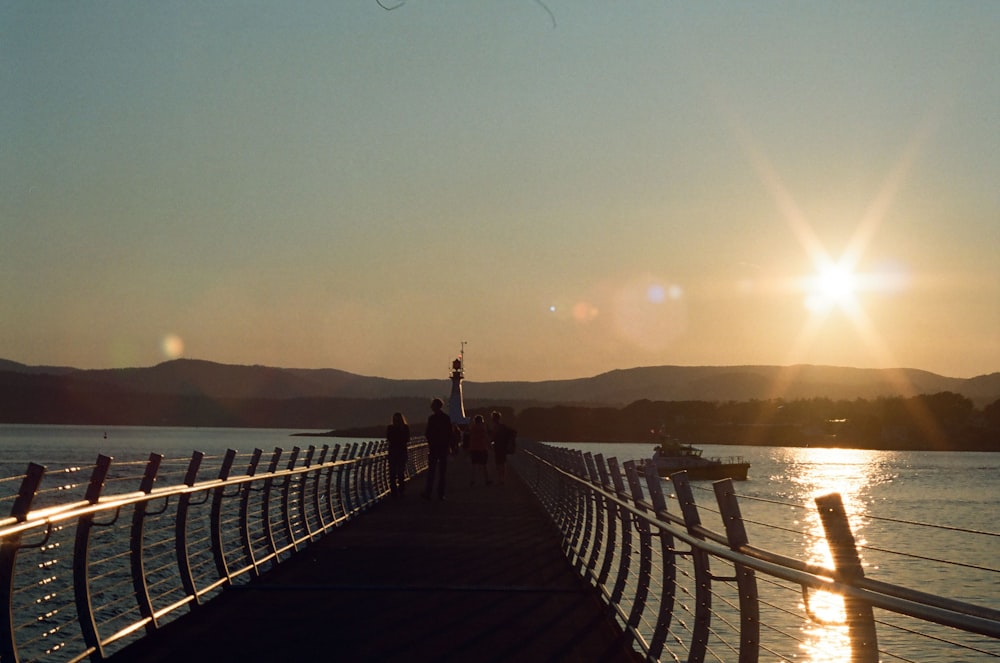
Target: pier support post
(668, 585)
(595, 525)
(625, 543)
(265, 508)
(182, 549)
(218, 538)
(642, 582)
(286, 503)
(702, 575)
(9, 548)
(140, 584)
(81, 561)
(611, 518)
(246, 491)
(860, 619)
(746, 578)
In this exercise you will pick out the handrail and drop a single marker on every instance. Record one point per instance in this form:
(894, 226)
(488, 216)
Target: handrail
(179, 547)
(678, 588)
(572, 485)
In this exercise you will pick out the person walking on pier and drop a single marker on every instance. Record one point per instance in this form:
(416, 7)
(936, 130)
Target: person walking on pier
(438, 433)
(501, 435)
(479, 449)
(398, 436)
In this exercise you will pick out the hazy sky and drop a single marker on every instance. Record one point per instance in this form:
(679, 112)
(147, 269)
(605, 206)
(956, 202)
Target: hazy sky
(570, 187)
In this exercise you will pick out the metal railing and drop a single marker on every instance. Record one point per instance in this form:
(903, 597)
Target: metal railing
(89, 564)
(92, 559)
(682, 591)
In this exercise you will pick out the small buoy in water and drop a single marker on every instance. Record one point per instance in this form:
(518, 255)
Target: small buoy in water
(105, 435)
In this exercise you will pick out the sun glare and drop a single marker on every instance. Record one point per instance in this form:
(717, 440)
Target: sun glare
(833, 286)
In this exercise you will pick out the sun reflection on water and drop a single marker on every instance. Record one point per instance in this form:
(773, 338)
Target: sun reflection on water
(815, 472)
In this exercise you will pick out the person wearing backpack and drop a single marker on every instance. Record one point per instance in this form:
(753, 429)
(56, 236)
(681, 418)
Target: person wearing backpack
(479, 449)
(439, 437)
(503, 444)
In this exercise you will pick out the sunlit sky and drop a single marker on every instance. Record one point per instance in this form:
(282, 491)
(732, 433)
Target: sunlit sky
(570, 187)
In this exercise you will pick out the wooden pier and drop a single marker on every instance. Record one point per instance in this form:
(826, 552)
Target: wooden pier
(477, 577)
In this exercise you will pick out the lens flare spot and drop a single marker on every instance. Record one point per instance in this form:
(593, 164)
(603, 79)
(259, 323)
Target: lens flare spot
(584, 312)
(650, 314)
(172, 346)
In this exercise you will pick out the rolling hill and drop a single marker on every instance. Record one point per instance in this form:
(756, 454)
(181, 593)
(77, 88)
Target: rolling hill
(191, 377)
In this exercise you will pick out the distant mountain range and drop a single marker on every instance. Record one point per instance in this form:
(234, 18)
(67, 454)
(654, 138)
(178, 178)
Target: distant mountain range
(197, 378)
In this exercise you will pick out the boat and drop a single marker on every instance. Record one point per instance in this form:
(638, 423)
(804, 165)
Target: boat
(671, 455)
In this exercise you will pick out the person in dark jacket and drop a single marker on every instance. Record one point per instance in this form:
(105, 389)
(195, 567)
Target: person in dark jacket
(479, 449)
(501, 445)
(398, 436)
(438, 433)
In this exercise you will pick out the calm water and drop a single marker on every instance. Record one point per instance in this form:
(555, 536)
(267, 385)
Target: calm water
(958, 490)
(60, 445)
(891, 498)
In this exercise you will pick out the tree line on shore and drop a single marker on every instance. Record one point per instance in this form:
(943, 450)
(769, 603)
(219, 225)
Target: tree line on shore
(944, 420)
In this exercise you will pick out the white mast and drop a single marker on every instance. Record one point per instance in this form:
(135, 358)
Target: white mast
(456, 405)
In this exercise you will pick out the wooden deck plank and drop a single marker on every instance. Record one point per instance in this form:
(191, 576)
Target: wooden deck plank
(477, 577)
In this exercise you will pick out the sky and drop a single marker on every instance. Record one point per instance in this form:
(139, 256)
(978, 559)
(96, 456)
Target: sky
(563, 188)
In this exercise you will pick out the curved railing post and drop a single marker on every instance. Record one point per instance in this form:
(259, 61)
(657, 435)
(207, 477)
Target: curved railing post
(383, 467)
(645, 548)
(350, 475)
(375, 472)
(318, 489)
(9, 548)
(597, 505)
(140, 584)
(303, 489)
(580, 511)
(746, 579)
(343, 483)
(412, 467)
(286, 500)
(360, 477)
(81, 562)
(367, 475)
(181, 533)
(843, 549)
(218, 542)
(331, 503)
(612, 520)
(625, 558)
(699, 560)
(668, 588)
(265, 505)
(246, 491)
(561, 499)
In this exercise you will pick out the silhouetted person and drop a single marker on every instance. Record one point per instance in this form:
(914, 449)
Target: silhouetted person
(479, 449)
(502, 436)
(439, 438)
(398, 435)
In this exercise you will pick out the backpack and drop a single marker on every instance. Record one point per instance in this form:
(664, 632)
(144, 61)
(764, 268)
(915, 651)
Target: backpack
(511, 440)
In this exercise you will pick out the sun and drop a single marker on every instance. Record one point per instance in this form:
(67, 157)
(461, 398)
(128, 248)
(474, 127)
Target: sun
(835, 285)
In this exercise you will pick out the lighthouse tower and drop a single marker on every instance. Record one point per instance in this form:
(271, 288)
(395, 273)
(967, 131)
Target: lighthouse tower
(456, 406)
